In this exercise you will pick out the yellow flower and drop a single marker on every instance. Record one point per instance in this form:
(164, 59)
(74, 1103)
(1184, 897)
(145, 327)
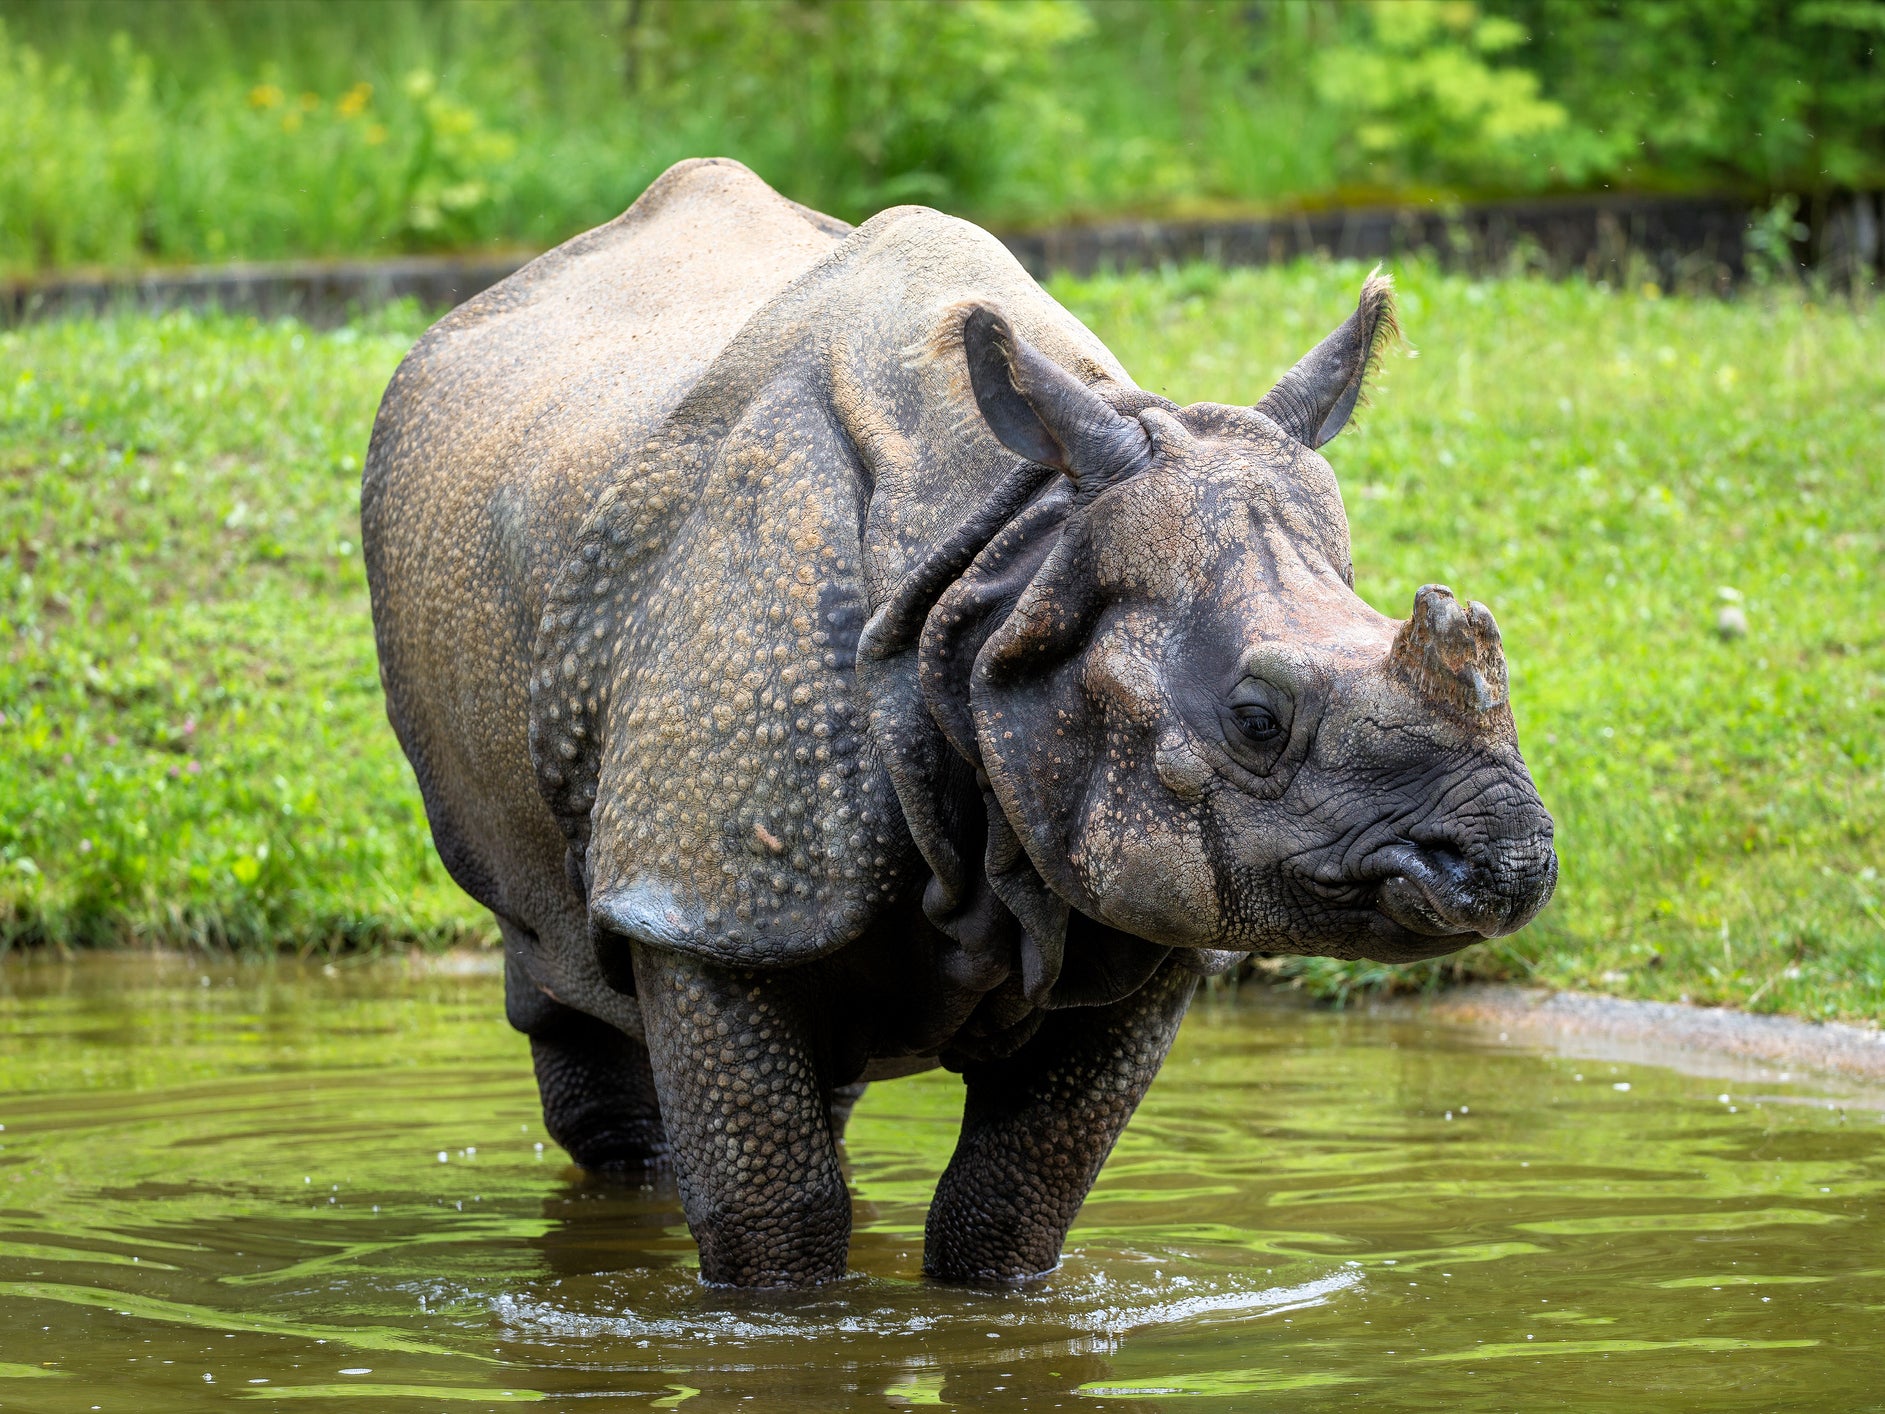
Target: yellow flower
(354, 101)
(310, 101)
(291, 122)
(376, 134)
(264, 95)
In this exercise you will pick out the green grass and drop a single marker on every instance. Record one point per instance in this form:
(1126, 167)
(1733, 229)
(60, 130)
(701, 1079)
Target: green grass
(194, 749)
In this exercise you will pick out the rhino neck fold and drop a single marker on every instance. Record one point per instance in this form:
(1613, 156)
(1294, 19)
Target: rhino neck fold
(894, 629)
(915, 661)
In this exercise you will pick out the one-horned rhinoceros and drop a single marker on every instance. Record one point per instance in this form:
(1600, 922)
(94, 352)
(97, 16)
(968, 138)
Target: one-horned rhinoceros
(827, 664)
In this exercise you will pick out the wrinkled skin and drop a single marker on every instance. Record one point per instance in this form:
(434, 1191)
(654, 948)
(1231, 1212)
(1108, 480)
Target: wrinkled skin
(827, 664)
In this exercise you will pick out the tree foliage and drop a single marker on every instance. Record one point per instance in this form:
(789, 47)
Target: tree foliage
(204, 129)
(1777, 95)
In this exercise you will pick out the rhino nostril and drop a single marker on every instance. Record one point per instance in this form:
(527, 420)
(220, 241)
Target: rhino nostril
(1444, 884)
(1448, 862)
(1451, 889)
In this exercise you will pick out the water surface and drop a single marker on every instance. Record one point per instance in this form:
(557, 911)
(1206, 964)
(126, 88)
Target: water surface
(297, 1186)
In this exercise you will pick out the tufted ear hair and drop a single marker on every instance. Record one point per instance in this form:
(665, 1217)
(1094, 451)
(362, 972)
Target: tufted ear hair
(1038, 410)
(1314, 400)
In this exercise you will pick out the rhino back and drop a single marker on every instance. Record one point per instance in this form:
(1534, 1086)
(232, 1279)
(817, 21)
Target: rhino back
(491, 444)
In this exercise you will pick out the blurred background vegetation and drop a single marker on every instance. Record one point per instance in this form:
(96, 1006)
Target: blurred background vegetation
(136, 131)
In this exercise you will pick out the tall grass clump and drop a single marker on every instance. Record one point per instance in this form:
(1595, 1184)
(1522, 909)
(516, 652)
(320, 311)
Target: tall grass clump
(257, 169)
(186, 130)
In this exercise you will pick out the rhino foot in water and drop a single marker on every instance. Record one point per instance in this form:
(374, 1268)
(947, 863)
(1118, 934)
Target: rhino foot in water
(827, 664)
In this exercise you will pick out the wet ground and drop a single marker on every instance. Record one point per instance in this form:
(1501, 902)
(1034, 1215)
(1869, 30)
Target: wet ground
(273, 1183)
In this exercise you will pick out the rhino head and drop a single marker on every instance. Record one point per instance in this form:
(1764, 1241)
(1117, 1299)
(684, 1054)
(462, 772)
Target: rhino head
(1180, 709)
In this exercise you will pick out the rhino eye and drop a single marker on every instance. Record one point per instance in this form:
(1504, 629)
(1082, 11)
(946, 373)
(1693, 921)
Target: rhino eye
(1256, 719)
(1257, 723)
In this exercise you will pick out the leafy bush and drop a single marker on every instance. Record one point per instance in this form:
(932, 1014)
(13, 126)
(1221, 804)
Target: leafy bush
(134, 130)
(889, 103)
(76, 174)
(1422, 94)
(1774, 95)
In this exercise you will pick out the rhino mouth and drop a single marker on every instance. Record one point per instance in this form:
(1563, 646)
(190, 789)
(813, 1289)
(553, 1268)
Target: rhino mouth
(1404, 900)
(1418, 901)
(1432, 892)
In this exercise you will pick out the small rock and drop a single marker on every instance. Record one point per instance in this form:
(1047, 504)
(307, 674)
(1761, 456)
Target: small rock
(1731, 622)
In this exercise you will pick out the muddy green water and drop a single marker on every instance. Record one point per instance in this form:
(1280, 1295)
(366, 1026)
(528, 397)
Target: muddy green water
(278, 1185)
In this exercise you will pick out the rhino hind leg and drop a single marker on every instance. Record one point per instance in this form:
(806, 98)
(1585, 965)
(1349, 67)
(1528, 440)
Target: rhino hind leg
(736, 1064)
(1037, 1126)
(840, 1100)
(596, 1083)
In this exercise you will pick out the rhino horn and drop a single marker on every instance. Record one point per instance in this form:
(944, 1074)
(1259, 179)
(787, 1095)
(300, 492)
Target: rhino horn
(1313, 401)
(1451, 652)
(1040, 411)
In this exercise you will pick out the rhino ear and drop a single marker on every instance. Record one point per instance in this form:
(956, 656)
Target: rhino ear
(1038, 410)
(1312, 402)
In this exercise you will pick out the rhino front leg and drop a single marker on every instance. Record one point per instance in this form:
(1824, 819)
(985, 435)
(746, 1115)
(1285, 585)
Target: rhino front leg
(747, 1112)
(597, 1087)
(1036, 1128)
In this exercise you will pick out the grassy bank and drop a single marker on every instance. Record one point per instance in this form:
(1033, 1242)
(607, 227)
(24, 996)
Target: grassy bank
(193, 746)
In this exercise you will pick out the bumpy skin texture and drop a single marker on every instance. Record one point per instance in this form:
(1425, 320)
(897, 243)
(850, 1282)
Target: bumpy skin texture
(826, 664)
(1038, 1126)
(494, 441)
(744, 1097)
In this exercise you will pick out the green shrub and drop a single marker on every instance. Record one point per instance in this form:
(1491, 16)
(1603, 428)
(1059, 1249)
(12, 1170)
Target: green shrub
(137, 130)
(1421, 94)
(77, 176)
(1772, 95)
